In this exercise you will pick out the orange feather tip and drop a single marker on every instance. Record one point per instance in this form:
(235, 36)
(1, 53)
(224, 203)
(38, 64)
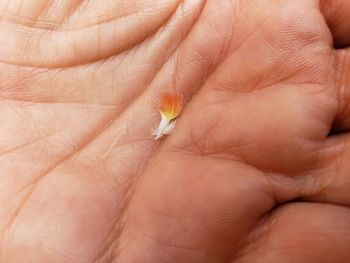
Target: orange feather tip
(171, 105)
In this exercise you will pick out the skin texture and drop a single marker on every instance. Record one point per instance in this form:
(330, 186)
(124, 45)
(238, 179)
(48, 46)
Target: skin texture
(256, 170)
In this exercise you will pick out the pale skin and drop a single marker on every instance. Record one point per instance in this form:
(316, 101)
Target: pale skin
(257, 168)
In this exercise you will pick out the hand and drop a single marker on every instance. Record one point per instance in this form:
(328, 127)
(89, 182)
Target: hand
(256, 169)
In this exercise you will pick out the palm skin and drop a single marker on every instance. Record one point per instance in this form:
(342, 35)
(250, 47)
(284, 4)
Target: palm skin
(84, 181)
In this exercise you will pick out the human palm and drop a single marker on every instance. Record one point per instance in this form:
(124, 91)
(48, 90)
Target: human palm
(250, 172)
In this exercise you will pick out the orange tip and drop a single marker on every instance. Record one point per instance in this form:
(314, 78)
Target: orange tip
(171, 105)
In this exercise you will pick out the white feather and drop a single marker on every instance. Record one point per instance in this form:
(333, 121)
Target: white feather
(165, 127)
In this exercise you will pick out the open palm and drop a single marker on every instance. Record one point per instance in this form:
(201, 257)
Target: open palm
(250, 173)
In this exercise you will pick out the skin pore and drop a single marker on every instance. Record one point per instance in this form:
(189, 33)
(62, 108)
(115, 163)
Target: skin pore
(256, 169)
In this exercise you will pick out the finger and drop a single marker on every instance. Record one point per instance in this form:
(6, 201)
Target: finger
(337, 14)
(342, 86)
(301, 232)
(330, 182)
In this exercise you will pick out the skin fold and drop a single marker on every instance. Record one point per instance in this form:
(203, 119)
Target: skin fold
(256, 170)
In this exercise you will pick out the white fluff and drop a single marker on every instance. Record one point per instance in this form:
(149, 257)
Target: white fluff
(164, 128)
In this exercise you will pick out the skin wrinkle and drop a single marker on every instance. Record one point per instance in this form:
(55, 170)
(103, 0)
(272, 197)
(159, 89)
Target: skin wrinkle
(96, 27)
(224, 153)
(110, 19)
(74, 10)
(15, 87)
(263, 235)
(200, 141)
(43, 25)
(275, 219)
(257, 233)
(23, 202)
(284, 78)
(21, 5)
(25, 119)
(97, 62)
(257, 85)
(118, 224)
(19, 147)
(175, 50)
(118, 227)
(78, 103)
(341, 79)
(44, 9)
(175, 246)
(339, 82)
(224, 48)
(240, 44)
(326, 156)
(47, 135)
(332, 177)
(227, 152)
(117, 17)
(63, 258)
(34, 184)
(49, 26)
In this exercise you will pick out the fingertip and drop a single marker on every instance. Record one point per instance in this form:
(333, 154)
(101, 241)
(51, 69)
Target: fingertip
(337, 15)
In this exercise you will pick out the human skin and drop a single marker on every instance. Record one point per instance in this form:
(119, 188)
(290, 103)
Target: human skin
(257, 168)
